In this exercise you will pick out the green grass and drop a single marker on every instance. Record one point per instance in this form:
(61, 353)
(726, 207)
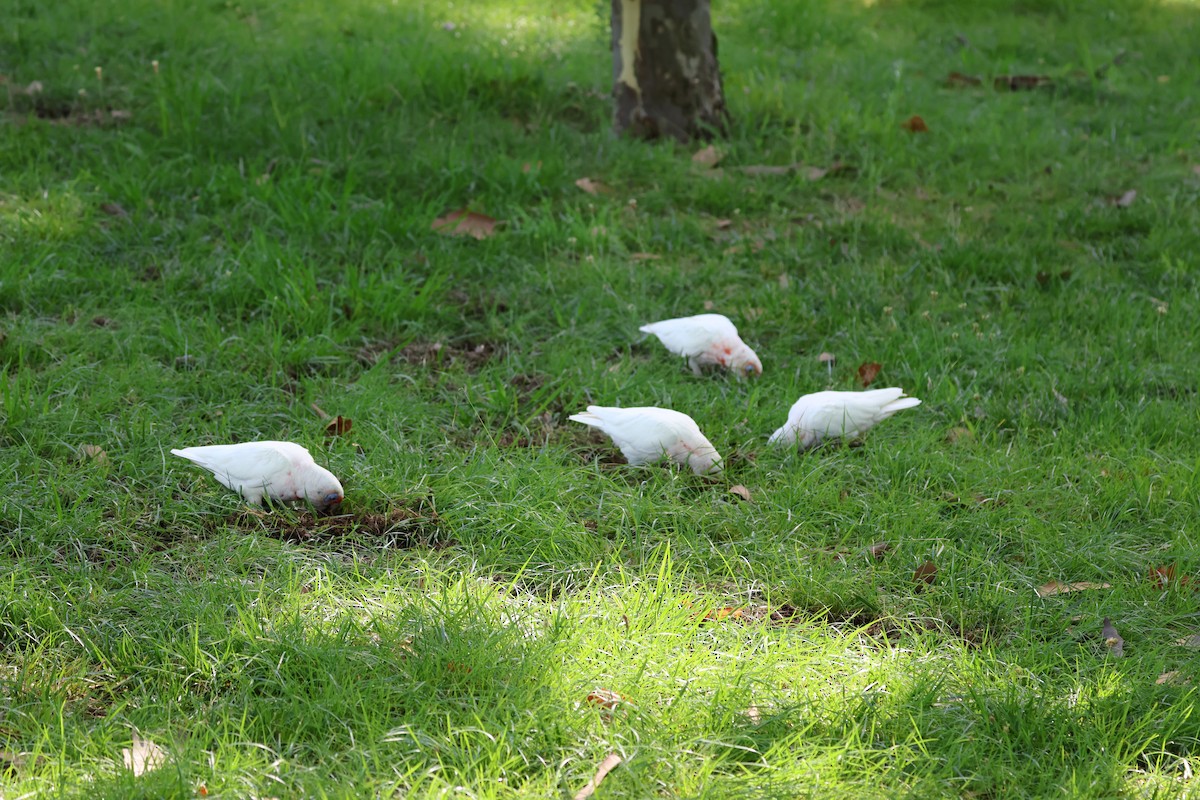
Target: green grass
(250, 236)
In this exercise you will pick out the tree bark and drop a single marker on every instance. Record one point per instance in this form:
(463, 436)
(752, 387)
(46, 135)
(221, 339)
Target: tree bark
(666, 80)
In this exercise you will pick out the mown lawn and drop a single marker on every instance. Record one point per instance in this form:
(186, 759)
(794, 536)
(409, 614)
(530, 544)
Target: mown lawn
(216, 223)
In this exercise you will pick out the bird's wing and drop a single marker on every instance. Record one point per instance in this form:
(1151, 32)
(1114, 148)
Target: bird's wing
(691, 336)
(255, 464)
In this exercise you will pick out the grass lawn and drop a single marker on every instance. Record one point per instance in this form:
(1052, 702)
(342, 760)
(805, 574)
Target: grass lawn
(216, 219)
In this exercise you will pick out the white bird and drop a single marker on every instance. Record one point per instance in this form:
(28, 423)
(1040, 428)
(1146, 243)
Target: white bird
(278, 470)
(706, 340)
(647, 434)
(827, 415)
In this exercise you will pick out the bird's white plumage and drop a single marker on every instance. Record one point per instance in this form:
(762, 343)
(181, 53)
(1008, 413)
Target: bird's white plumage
(647, 434)
(282, 471)
(829, 415)
(706, 340)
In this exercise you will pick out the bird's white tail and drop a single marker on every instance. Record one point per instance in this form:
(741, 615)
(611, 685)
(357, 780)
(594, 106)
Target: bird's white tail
(900, 405)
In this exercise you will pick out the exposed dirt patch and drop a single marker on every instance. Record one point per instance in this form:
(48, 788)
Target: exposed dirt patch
(415, 524)
(436, 355)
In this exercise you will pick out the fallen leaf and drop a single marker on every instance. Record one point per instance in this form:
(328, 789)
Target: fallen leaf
(609, 763)
(605, 698)
(720, 614)
(1017, 83)
(959, 434)
(741, 491)
(93, 452)
(454, 666)
(1112, 639)
(753, 715)
(1167, 677)
(1052, 588)
(338, 426)
(867, 372)
(143, 756)
(644, 257)
(878, 549)
(709, 305)
(723, 224)
(815, 173)
(1189, 641)
(926, 573)
(114, 210)
(958, 80)
(592, 187)
(465, 223)
(827, 358)
(707, 156)
(915, 124)
(1126, 199)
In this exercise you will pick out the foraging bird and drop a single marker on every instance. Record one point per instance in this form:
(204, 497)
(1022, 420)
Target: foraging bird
(647, 434)
(706, 340)
(277, 470)
(827, 415)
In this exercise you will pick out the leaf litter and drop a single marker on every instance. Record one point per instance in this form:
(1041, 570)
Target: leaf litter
(464, 222)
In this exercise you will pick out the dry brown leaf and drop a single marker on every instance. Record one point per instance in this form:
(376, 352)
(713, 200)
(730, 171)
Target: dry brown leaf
(93, 452)
(959, 434)
(709, 305)
(723, 224)
(915, 124)
(707, 156)
(609, 763)
(1167, 677)
(868, 371)
(1126, 199)
(338, 426)
(926, 573)
(455, 666)
(1189, 641)
(592, 187)
(644, 257)
(741, 491)
(143, 756)
(815, 173)
(1112, 639)
(605, 698)
(959, 80)
(465, 223)
(1163, 577)
(1051, 588)
(827, 358)
(878, 549)
(1017, 83)
(721, 614)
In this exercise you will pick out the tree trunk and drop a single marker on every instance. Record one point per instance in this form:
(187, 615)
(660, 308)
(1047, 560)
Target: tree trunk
(666, 81)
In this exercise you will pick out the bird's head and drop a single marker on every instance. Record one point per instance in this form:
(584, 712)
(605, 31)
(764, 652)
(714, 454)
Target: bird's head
(322, 489)
(705, 461)
(745, 364)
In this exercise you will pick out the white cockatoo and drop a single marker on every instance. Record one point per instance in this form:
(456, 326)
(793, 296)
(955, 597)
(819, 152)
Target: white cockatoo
(706, 340)
(647, 434)
(828, 415)
(277, 470)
